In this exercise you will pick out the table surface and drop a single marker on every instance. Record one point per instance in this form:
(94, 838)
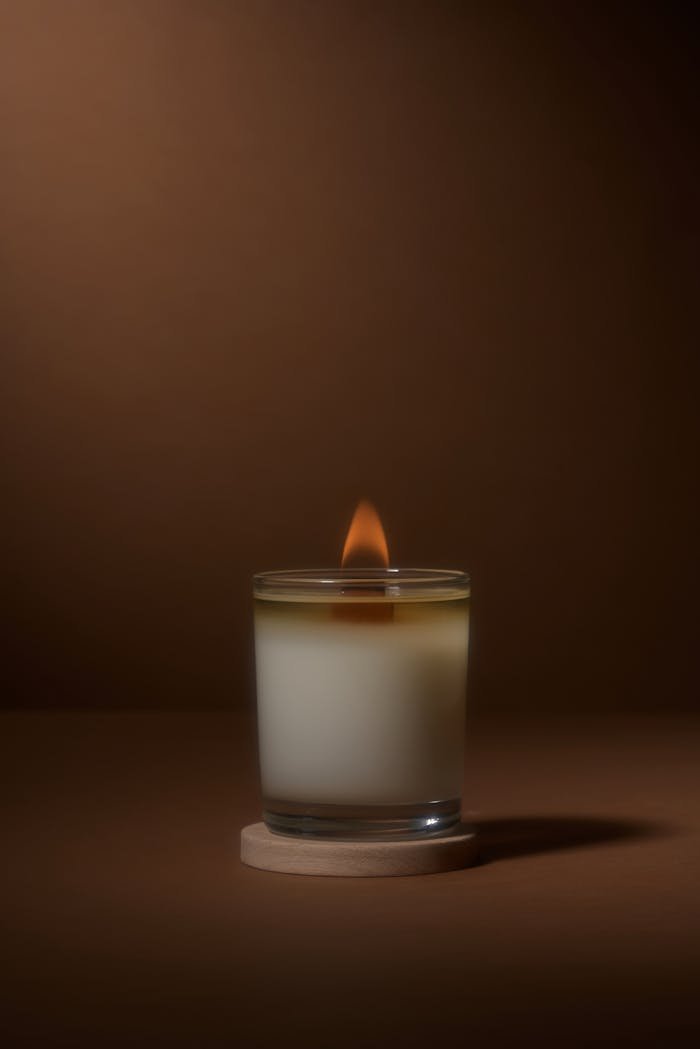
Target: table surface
(128, 918)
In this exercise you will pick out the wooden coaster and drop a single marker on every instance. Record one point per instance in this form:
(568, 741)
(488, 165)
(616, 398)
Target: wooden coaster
(356, 859)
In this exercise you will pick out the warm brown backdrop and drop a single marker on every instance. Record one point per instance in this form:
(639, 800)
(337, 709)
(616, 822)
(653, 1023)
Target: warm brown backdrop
(260, 259)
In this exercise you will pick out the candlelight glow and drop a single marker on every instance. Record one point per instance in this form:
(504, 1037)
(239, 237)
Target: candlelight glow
(365, 543)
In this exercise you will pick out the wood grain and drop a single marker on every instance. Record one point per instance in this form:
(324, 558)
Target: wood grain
(356, 859)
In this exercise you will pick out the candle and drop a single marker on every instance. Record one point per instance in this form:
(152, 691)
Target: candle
(361, 693)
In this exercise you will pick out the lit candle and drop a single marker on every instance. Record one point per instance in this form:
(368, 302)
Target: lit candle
(361, 677)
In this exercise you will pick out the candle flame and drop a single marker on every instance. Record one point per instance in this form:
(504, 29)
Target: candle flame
(365, 540)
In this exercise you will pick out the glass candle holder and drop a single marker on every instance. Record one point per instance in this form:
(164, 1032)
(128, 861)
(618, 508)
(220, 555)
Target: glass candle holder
(361, 687)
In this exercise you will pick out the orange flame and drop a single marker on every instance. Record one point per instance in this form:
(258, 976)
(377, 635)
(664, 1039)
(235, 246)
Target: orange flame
(365, 538)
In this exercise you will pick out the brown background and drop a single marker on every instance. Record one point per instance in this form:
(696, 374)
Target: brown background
(261, 259)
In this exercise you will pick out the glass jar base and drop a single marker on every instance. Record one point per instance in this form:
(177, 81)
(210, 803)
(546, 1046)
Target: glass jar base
(362, 822)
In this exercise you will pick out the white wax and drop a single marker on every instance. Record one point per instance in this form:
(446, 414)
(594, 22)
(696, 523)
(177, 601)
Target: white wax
(362, 712)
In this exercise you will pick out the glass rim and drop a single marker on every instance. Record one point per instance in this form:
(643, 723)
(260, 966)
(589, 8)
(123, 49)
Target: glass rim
(363, 584)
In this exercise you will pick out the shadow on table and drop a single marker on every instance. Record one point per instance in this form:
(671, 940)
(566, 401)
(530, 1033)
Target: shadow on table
(523, 836)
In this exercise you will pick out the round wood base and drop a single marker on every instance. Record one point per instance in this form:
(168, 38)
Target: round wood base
(357, 859)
